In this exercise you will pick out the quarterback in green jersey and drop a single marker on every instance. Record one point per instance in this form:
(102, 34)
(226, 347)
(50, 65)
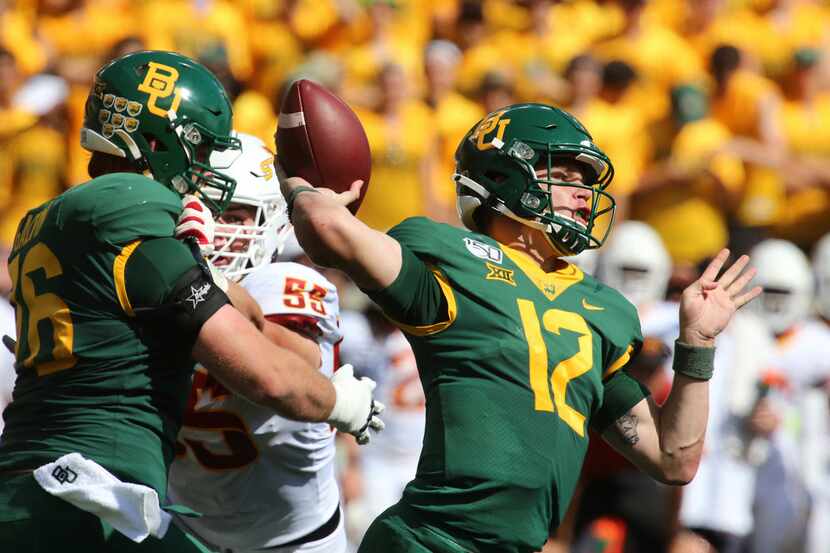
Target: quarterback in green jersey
(518, 351)
(112, 311)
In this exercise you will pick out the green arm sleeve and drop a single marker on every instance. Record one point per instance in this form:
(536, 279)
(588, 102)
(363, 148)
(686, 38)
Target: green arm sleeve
(415, 299)
(622, 392)
(152, 270)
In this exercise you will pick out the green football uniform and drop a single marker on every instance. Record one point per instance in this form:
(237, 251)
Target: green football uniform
(95, 374)
(516, 364)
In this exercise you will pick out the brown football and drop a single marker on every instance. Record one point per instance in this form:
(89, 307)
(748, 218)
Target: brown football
(320, 139)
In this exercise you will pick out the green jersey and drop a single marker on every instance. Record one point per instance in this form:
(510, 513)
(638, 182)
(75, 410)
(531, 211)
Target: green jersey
(93, 377)
(518, 366)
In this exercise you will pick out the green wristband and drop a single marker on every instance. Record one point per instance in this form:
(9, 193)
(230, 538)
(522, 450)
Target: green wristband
(694, 362)
(289, 201)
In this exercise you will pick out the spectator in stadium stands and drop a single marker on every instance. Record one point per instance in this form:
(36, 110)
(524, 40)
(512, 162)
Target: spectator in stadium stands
(794, 24)
(804, 215)
(17, 34)
(199, 28)
(497, 90)
(702, 26)
(276, 50)
(535, 47)
(686, 198)
(37, 156)
(748, 104)
(402, 138)
(393, 37)
(13, 121)
(482, 53)
(743, 99)
(576, 26)
(619, 126)
(661, 57)
(453, 113)
(584, 75)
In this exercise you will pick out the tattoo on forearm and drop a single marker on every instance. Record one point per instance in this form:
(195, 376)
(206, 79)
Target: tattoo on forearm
(627, 425)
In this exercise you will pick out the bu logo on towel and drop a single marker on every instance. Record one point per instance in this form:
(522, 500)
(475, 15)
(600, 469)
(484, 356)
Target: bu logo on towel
(64, 474)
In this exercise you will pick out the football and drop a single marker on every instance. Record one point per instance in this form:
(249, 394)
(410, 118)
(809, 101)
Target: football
(320, 139)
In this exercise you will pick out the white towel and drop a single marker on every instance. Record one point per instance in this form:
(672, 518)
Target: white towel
(132, 509)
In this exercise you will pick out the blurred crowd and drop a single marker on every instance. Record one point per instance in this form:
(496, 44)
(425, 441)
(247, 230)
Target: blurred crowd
(715, 113)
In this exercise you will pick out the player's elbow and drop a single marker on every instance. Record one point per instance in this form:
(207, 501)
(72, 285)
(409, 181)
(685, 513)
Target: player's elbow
(679, 471)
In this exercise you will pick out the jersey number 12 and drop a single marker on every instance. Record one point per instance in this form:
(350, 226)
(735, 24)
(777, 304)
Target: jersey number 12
(554, 320)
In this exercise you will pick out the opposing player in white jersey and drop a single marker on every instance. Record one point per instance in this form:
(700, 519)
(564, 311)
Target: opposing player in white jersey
(390, 463)
(801, 359)
(259, 480)
(817, 423)
(8, 375)
(636, 262)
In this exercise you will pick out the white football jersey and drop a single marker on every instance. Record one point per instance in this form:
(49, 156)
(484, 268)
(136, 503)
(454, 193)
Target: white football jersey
(391, 462)
(800, 455)
(659, 320)
(258, 479)
(400, 390)
(8, 375)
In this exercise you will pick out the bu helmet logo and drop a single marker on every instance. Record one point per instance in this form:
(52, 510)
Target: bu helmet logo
(160, 82)
(488, 125)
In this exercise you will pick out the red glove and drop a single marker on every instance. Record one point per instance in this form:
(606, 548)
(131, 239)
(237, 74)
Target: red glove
(196, 222)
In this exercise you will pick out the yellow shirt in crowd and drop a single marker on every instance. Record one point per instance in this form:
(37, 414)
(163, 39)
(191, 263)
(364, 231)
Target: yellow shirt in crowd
(805, 214)
(454, 116)
(691, 219)
(399, 184)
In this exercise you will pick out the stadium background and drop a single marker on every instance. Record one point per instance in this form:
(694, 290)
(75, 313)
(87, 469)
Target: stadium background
(715, 113)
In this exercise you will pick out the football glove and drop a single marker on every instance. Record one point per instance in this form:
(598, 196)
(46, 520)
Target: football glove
(196, 222)
(354, 410)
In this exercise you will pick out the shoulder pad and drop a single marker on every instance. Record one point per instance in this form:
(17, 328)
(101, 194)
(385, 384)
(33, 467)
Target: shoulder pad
(122, 207)
(295, 289)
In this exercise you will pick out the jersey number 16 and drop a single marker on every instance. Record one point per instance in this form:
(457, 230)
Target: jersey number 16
(38, 312)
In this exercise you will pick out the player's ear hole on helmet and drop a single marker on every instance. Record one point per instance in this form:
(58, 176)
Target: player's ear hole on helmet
(156, 145)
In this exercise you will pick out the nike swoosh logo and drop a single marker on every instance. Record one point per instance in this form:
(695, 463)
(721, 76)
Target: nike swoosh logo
(589, 307)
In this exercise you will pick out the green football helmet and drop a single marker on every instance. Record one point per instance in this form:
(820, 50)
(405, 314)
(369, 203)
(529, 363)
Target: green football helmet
(496, 165)
(166, 113)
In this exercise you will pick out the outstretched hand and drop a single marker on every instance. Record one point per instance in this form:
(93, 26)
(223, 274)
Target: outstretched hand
(707, 305)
